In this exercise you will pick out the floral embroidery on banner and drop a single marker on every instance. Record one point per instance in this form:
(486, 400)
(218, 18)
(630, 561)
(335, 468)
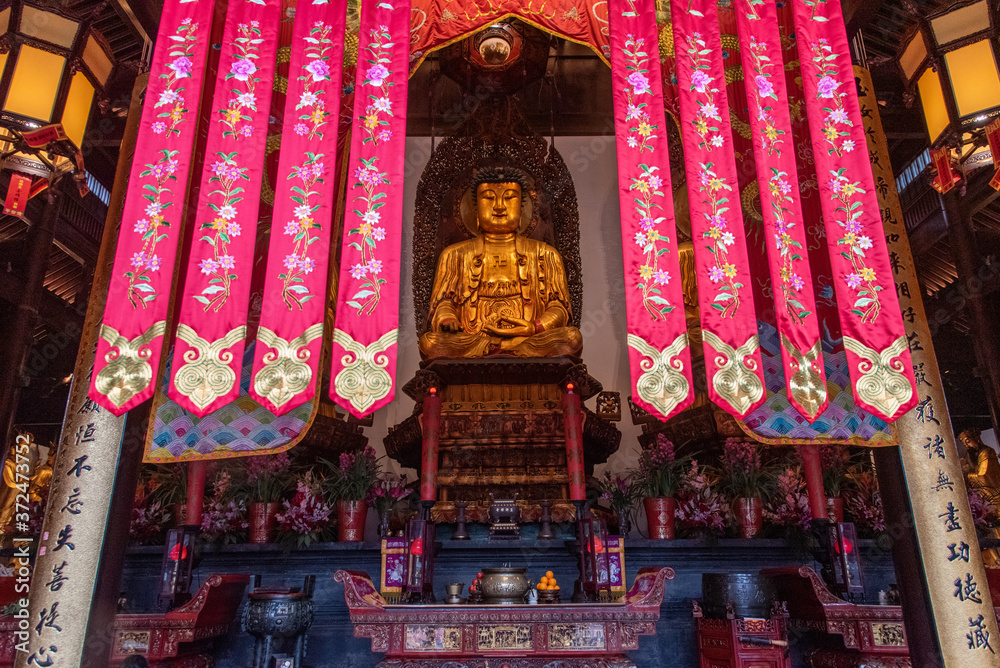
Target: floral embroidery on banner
(370, 180)
(222, 230)
(862, 279)
(702, 83)
(761, 89)
(317, 71)
(377, 78)
(648, 184)
(844, 190)
(723, 272)
(140, 288)
(791, 282)
(182, 52)
(244, 71)
(298, 263)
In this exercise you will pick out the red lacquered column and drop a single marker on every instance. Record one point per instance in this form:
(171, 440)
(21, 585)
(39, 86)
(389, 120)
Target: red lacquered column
(812, 468)
(573, 424)
(195, 492)
(430, 426)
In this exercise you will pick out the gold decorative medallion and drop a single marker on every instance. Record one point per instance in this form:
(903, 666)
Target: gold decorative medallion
(285, 372)
(127, 371)
(663, 384)
(364, 380)
(882, 383)
(206, 375)
(734, 380)
(806, 386)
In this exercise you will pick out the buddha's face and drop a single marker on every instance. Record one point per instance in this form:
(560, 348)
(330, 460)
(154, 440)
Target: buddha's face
(499, 207)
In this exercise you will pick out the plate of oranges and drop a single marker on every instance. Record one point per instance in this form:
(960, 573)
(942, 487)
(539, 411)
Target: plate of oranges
(548, 588)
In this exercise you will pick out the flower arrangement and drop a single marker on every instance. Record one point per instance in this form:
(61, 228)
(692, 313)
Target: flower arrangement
(789, 505)
(353, 476)
(864, 502)
(743, 475)
(699, 506)
(622, 493)
(984, 513)
(836, 460)
(168, 484)
(388, 491)
(267, 477)
(660, 470)
(307, 516)
(224, 517)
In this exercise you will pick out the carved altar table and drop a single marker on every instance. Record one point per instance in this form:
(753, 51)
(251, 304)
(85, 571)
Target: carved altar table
(184, 636)
(873, 635)
(520, 636)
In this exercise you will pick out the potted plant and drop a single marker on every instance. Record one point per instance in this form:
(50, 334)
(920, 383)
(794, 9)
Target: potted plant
(746, 481)
(788, 507)
(622, 493)
(385, 496)
(836, 460)
(659, 477)
(169, 489)
(349, 483)
(700, 508)
(224, 519)
(306, 517)
(267, 481)
(863, 502)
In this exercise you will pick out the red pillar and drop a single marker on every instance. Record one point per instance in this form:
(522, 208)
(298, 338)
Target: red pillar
(431, 429)
(573, 424)
(812, 467)
(195, 491)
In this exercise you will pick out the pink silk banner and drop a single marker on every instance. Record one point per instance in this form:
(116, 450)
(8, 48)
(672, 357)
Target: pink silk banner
(778, 183)
(364, 351)
(208, 350)
(659, 358)
(131, 334)
(289, 338)
(725, 296)
(878, 351)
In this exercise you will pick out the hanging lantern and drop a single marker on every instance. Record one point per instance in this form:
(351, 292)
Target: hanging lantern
(951, 61)
(52, 66)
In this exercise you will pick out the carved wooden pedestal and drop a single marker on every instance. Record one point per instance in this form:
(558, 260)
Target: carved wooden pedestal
(742, 643)
(521, 636)
(182, 637)
(501, 432)
(873, 635)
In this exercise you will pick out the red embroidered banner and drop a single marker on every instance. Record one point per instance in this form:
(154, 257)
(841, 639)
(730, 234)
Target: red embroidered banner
(945, 178)
(289, 338)
(878, 352)
(364, 339)
(213, 312)
(659, 357)
(778, 183)
(725, 298)
(130, 343)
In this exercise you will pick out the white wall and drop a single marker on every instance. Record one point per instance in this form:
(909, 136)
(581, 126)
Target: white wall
(592, 163)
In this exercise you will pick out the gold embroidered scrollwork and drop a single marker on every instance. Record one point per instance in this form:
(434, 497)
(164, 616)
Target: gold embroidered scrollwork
(663, 384)
(126, 372)
(364, 380)
(285, 372)
(206, 375)
(735, 381)
(882, 383)
(806, 385)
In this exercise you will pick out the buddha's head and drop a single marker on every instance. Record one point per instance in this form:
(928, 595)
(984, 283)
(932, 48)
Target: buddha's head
(498, 207)
(499, 192)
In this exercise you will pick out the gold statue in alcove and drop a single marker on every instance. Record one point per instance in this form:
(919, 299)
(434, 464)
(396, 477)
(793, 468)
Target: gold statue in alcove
(500, 293)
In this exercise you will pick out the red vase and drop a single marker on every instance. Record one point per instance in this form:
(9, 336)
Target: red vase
(660, 517)
(835, 509)
(351, 517)
(262, 521)
(749, 516)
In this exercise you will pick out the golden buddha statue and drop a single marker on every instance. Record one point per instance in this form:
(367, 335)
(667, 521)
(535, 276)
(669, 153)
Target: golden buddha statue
(500, 293)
